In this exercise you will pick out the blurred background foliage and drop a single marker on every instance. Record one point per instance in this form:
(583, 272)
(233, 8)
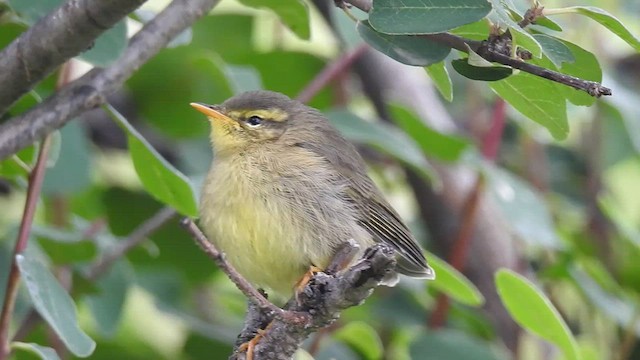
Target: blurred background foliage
(571, 205)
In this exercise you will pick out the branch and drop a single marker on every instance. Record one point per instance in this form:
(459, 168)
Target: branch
(136, 237)
(318, 305)
(489, 53)
(33, 194)
(63, 34)
(90, 90)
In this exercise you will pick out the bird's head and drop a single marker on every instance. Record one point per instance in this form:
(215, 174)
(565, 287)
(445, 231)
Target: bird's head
(250, 118)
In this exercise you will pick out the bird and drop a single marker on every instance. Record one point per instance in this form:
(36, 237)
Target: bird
(285, 190)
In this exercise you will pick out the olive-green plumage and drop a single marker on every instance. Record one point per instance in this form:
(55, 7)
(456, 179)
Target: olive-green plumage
(285, 190)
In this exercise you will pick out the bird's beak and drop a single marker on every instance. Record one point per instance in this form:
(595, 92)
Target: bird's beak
(212, 111)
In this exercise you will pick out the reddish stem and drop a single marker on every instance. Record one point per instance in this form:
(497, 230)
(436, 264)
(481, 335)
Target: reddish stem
(330, 72)
(493, 138)
(33, 193)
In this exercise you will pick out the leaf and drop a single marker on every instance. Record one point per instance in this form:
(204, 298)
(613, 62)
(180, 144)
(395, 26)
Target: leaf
(609, 21)
(243, 78)
(363, 338)
(441, 80)
(195, 75)
(451, 282)
(536, 98)
(584, 66)
(530, 308)
(433, 143)
(54, 305)
(493, 73)
(293, 13)
(525, 211)
(43, 352)
(407, 49)
(108, 304)
(382, 137)
(450, 345)
(555, 49)
(72, 170)
(478, 30)
(107, 47)
(32, 11)
(425, 17)
(160, 179)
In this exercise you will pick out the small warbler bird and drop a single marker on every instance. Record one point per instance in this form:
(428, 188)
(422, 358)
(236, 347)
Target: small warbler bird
(286, 190)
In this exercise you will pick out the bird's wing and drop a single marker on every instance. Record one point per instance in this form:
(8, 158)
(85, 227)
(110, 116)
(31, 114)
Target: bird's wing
(375, 214)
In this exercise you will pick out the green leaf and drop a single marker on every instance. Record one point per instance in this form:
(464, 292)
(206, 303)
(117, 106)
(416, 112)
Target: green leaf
(478, 30)
(525, 211)
(530, 308)
(54, 305)
(68, 252)
(433, 143)
(450, 345)
(293, 13)
(555, 49)
(72, 170)
(451, 282)
(584, 66)
(425, 17)
(108, 47)
(159, 178)
(407, 49)
(363, 338)
(31, 11)
(108, 304)
(441, 80)
(536, 98)
(481, 73)
(381, 136)
(609, 21)
(195, 75)
(243, 78)
(43, 352)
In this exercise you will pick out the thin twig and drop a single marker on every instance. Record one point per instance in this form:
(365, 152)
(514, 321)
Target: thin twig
(330, 72)
(33, 194)
(249, 291)
(137, 236)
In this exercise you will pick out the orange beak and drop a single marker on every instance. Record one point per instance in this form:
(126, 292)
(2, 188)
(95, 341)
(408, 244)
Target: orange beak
(211, 111)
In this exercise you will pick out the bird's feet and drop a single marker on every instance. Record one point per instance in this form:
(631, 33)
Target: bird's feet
(250, 345)
(299, 287)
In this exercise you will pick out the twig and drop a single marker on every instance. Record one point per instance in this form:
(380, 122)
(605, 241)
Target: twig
(249, 291)
(33, 193)
(47, 44)
(136, 237)
(90, 90)
(485, 51)
(330, 72)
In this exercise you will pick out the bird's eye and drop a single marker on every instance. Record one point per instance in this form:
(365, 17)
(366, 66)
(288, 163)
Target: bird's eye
(254, 121)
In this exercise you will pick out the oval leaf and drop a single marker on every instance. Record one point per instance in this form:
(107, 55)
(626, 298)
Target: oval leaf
(610, 22)
(493, 73)
(293, 13)
(530, 308)
(441, 80)
(407, 49)
(54, 305)
(536, 98)
(43, 352)
(160, 179)
(425, 17)
(451, 282)
(363, 338)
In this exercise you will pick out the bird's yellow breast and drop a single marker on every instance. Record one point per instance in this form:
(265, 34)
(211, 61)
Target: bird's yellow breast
(269, 237)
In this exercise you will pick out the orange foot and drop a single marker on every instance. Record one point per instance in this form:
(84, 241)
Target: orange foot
(250, 345)
(313, 270)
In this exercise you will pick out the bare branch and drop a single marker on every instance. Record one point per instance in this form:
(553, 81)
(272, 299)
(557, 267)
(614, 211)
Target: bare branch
(90, 90)
(64, 33)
